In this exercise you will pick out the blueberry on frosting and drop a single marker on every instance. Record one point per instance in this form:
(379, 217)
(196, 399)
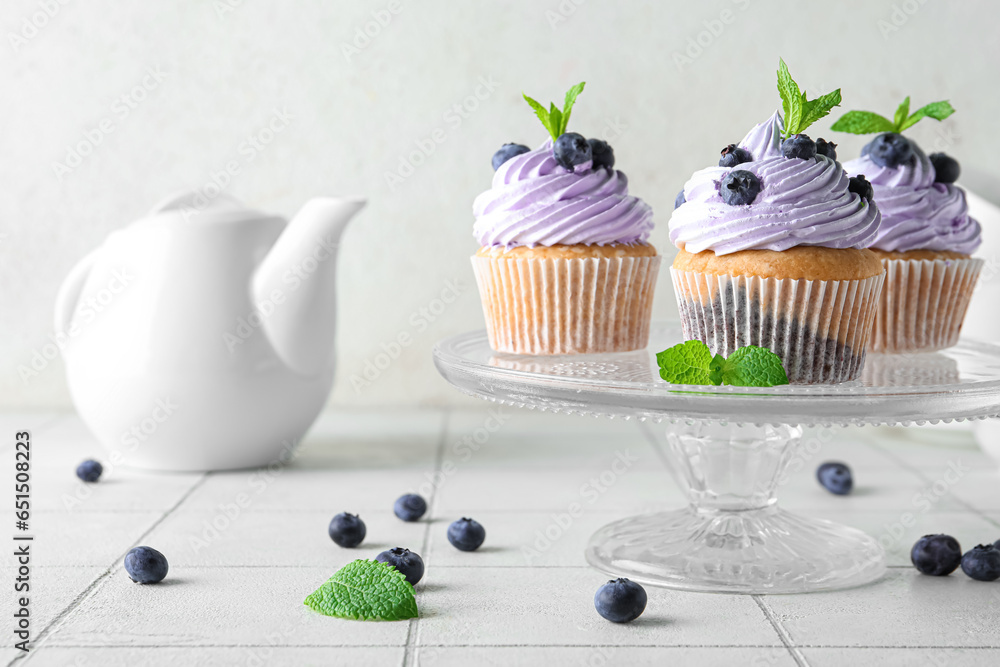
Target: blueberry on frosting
(946, 168)
(860, 186)
(733, 155)
(506, 152)
(602, 153)
(572, 149)
(826, 148)
(889, 150)
(800, 146)
(739, 187)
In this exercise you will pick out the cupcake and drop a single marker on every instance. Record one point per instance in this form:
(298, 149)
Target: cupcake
(564, 265)
(773, 248)
(926, 239)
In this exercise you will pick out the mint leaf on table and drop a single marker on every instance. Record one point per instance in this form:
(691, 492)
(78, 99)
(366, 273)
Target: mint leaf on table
(692, 362)
(753, 366)
(869, 122)
(798, 111)
(554, 119)
(686, 363)
(365, 590)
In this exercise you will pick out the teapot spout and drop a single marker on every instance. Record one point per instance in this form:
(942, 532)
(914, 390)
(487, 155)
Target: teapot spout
(297, 280)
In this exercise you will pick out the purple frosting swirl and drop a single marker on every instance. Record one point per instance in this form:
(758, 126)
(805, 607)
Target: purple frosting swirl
(535, 201)
(917, 213)
(801, 203)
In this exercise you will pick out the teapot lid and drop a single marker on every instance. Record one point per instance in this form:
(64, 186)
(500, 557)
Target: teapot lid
(197, 206)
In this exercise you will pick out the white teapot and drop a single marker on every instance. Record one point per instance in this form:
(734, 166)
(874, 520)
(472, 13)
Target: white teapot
(201, 336)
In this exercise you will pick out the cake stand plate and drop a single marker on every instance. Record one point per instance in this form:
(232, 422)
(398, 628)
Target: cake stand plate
(731, 446)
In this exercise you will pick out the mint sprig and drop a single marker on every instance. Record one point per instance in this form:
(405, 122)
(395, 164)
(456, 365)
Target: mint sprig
(554, 119)
(691, 362)
(365, 590)
(869, 122)
(798, 111)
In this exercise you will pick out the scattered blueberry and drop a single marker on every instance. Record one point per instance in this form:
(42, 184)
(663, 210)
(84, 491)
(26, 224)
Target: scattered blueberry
(347, 530)
(679, 199)
(571, 149)
(733, 155)
(466, 534)
(800, 146)
(603, 154)
(835, 477)
(936, 555)
(982, 563)
(410, 507)
(946, 168)
(620, 600)
(739, 187)
(860, 186)
(89, 470)
(409, 564)
(506, 152)
(827, 148)
(145, 565)
(889, 150)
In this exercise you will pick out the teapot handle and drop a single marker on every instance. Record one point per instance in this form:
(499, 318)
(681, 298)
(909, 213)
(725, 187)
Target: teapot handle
(69, 292)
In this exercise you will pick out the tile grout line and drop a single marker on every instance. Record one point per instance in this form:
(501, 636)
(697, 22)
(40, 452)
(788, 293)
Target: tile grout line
(780, 629)
(920, 473)
(412, 630)
(783, 635)
(48, 630)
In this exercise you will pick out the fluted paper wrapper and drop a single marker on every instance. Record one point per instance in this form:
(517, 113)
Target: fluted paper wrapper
(567, 306)
(923, 303)
(819, 328)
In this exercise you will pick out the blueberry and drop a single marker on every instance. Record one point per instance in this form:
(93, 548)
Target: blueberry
(145, 565)
(620, 600)
(860, 186)
(506, 152)
(409, 564)
(733, 155)
(982, 563)
(603, 154)
(347, 530)
(946, 168)
(679, 199)
(739, 187)
(936, 555)
(889, 150)
(571, 149)
(410, 507)
(800, 146)
(466, 534)
(89, 470)
(827, 148)
(835, 478)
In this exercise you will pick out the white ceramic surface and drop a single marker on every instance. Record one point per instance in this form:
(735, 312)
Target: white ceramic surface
(200, 337)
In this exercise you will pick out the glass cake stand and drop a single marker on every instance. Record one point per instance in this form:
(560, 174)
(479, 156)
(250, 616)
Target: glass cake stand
(731, 446)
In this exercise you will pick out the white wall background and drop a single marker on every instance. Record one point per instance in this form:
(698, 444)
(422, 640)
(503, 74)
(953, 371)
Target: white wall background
(229, 63)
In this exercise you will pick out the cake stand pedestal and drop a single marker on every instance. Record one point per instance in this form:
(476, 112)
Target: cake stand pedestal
(731, 446)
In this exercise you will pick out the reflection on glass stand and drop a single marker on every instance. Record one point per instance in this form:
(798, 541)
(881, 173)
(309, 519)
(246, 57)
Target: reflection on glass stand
(731, 446)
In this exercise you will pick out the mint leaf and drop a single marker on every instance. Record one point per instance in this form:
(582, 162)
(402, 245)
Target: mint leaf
(542, 114)
(799, 111)
(365, 590)
(686, 363)
(753, 366)
(935, 110)
(791, 97)
(901, 113)
(715, 369)
(556, 121)
(863, 122)
(568, 103)
(818, 108)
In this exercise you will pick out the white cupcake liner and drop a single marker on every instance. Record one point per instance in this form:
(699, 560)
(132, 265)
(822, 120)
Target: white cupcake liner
(923, 303)
(819, 328)
(567, 306)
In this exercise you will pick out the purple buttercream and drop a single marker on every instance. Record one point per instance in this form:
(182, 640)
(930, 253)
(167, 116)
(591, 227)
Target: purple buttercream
(535, 201)
(801, 203)
(917, 213)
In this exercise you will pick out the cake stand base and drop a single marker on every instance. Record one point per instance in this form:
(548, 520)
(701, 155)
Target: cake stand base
(733, 538)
